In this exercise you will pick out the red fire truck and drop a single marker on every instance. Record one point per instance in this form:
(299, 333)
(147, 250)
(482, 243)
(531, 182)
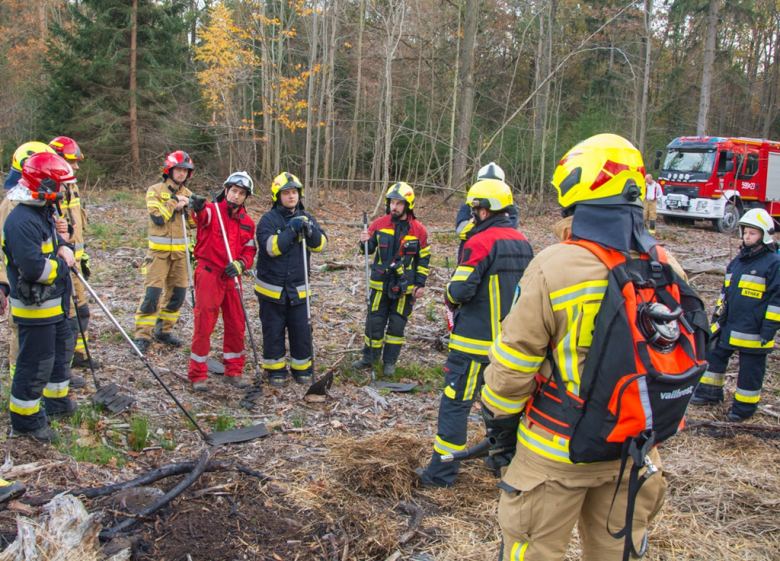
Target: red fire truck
(718, 179)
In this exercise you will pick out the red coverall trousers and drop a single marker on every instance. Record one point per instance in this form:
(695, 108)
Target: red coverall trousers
(215, 291)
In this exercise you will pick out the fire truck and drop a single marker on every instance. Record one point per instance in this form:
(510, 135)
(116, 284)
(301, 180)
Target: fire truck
(718, 179)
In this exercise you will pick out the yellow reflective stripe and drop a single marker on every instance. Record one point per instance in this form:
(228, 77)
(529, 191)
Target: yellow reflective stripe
(401, 303)
(518, 551)
(302, 294)
(151, 205)
(49, 309)
(747, 396)
(464, 228)
(24, 407)
(752, 286)
(495, 307)
(145, 319)
(393, 340)
(172, 316)
(47, 246)
(714, 378)
(270, 290)
(566, 350)
(373, 343)
(572, 295)
(300, 364)
(422, 271)
(49, 274)
(274, 363)
(425, 251)
(557, 449)
(323, 245)
(54, 391)
(79, 253)
(749, 341)
(504, 404)
(773, 313)
(272, 246)
(388, 231)
(468, 345)
(462, 273)
(714, 327)
(443, 447)
(376, 285)
(471, 382)
(514, 359)
(375, 303)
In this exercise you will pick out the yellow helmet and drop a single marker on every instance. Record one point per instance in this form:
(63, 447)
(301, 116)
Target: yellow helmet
(491, 194)
(401, 191)
(605, 169)
(26, 150)
(283, 181)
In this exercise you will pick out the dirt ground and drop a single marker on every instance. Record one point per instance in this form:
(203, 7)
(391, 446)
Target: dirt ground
(340, 472)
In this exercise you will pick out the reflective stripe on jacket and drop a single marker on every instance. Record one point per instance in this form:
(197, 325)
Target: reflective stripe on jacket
(30, 252)
(389, 238)
(76, 216)
(166, 232)
(751, 291)
(484, 283)
(279, 276)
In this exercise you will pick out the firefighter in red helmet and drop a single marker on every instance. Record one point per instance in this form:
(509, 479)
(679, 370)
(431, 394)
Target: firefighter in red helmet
(39, 261)
(165, 266)
(76, 216)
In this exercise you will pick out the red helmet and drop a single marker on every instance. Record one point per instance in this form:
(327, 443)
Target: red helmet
(45, 165)
(178, 159)
(67, 148)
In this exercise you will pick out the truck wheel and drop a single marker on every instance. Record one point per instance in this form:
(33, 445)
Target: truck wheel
(730, 220)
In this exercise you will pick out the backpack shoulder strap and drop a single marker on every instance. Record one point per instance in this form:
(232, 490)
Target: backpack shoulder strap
(610, 257)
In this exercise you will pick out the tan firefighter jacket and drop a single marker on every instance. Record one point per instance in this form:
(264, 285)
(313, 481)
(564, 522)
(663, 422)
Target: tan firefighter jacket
(76, 217)
(560, 295)
(166, 231)
(5, 209)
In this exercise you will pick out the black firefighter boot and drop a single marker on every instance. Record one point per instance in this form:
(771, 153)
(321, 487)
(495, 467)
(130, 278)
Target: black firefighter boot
(167, 338)
(651, 229)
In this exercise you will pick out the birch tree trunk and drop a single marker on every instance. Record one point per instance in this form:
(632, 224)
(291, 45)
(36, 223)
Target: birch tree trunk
(358, 92)
(646, 82)
(709, 63)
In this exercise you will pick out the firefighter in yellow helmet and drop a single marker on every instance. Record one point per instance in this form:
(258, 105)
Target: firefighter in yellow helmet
(544, 345)
(398, 276)
(480, 293)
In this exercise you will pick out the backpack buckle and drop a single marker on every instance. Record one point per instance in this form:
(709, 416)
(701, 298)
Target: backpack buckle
(657, 269)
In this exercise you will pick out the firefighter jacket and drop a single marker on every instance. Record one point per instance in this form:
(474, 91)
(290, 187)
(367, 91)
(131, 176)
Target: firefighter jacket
(76, 217)
(464, 226)
(166, 231)
(402, 254)
(280, 276)
(239, 229)
(30, 253)
(5, 209)
(560, 295)
(751, 292)
(483, 286)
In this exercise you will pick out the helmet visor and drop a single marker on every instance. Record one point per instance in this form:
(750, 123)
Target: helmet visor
(239, 181)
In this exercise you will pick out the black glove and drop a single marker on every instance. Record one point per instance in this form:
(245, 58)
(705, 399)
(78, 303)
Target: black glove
(235, 268)
(33, 293)
(86, 272)
(197, 203)
(502, 432)
(309, 227)
(298, 223)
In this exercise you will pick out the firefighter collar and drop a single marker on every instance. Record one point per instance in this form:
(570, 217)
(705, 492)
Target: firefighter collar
(619, 227)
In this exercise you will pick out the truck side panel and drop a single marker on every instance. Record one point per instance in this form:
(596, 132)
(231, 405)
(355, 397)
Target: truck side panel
(773, 177)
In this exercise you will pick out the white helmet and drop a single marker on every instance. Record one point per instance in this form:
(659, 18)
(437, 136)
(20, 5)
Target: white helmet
(491, 171)
(760, 219)
(241, 179)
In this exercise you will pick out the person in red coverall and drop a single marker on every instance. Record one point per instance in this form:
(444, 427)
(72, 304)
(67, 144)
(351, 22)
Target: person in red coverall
(215, 287)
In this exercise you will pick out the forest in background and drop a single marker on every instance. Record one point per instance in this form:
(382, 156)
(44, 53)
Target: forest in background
(357, 93)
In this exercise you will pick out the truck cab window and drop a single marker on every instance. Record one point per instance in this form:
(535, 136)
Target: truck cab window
(751, 166)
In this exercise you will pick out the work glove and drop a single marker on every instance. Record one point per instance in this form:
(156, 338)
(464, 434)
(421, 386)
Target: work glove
(298, 223)
(86, 272)
(235, 268)
(33, 293)
(502, 432)
(197, 203)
